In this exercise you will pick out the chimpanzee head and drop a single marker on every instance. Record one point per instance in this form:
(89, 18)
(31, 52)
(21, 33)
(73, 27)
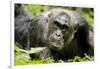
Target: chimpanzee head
(62, 28)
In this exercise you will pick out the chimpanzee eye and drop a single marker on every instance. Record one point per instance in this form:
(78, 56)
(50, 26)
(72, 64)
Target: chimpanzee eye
(64, 27)
(57, 24)
(55, 28)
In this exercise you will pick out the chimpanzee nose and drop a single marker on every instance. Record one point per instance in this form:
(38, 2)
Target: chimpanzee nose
(58, 33)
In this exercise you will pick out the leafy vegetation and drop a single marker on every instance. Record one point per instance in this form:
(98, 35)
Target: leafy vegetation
(79, 59)
(35, 9)
(22, 57)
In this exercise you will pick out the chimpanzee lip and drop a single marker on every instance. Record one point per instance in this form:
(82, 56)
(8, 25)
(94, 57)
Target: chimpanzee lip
(55, 44)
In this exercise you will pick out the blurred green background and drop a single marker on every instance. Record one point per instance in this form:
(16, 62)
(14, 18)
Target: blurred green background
(21, 58)
(87, 13)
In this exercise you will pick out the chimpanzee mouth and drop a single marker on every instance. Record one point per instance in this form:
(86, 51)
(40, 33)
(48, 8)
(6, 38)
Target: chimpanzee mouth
(55, 44)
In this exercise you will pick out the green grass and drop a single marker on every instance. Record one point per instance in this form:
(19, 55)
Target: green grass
(23, 58)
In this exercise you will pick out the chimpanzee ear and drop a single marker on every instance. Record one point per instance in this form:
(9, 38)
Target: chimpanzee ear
(91, 36)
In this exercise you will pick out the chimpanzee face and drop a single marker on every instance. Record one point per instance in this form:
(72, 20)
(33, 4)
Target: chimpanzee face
(61, 30)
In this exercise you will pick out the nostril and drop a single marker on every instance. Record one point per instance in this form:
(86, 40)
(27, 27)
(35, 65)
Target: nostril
(58, 35)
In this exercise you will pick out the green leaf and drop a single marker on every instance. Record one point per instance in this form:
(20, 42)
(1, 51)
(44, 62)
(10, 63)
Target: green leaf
(36, 50)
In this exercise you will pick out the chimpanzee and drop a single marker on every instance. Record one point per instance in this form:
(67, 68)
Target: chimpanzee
(64, 33)
(22, 26)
